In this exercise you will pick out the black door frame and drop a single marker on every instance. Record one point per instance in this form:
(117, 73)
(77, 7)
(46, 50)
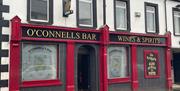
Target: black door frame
(93, 51)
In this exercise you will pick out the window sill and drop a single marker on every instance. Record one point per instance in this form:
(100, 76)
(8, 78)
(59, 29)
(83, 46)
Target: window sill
(40, 22)
(86, 27)
(152, 32)
(176, 34)
(121, 30)
(41, 83)
(119, 80)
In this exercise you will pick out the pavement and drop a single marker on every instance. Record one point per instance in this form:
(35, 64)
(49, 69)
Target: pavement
(176, 87)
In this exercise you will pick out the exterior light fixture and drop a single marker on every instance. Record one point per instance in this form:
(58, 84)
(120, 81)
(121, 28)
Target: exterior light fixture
(66, 8)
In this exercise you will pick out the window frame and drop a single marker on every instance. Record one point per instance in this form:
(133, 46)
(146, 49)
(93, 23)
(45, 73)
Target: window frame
(156, 17)
(48, 82)
(94, 15)
(38, 21)
(177, 10)
(128, 25)
(128, 69)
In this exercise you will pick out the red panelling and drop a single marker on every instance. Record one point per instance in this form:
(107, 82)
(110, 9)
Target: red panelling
(135, 81)
(168, 61)
(119, 80)
(41, 83)
(103, 58)
(70, 67)
(15, 55)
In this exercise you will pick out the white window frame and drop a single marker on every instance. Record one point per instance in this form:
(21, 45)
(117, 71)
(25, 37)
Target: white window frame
(176, 14)
(122, 7)
(92, 13)
(37, 20)
(125, 69)
(154, 19)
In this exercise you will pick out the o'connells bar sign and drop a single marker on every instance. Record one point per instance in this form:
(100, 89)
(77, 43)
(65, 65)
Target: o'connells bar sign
(59, 34)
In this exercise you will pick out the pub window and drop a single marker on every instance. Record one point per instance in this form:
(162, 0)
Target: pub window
(86, 13)
(121, 15)
(40, 11)
(151, 18)
(39, 62)
(176, 13)
(117, 62)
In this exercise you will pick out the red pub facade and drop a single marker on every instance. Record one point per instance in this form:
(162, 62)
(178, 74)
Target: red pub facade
(52, 58)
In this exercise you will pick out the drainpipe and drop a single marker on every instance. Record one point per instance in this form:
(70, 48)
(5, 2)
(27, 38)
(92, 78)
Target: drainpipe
(165, 11)
(104, 12)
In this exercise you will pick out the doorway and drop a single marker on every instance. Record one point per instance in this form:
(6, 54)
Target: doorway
(87, 78)
(176, 67)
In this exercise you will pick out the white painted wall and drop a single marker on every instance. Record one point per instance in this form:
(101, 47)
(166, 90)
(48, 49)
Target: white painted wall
(19, 8)
(175, 39)
(137, 23)
(110, 14)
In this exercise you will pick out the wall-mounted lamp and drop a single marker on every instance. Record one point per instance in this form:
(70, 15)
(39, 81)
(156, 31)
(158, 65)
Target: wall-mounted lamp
(66, 8)
(137, 14)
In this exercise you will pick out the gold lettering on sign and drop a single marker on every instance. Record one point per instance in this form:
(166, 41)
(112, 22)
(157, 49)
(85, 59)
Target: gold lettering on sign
(120, 38)
(139, 39)
(69, 35)
(151, 40)
(57, 34)
(60, 34)
(63, 34)
(93, 37)
(77, 36)
(39, 33)
(30, 32)
(45, 33)
(83, 36)
(52, 34)
(89, 37)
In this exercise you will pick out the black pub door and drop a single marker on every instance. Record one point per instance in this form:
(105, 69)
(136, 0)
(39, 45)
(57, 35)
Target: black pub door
(83, 72)
(86, 69)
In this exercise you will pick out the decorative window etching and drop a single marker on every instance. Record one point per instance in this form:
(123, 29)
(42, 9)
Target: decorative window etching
(39, 62)
(117, 62)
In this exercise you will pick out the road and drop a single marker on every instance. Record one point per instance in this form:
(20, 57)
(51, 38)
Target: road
(176, 90)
